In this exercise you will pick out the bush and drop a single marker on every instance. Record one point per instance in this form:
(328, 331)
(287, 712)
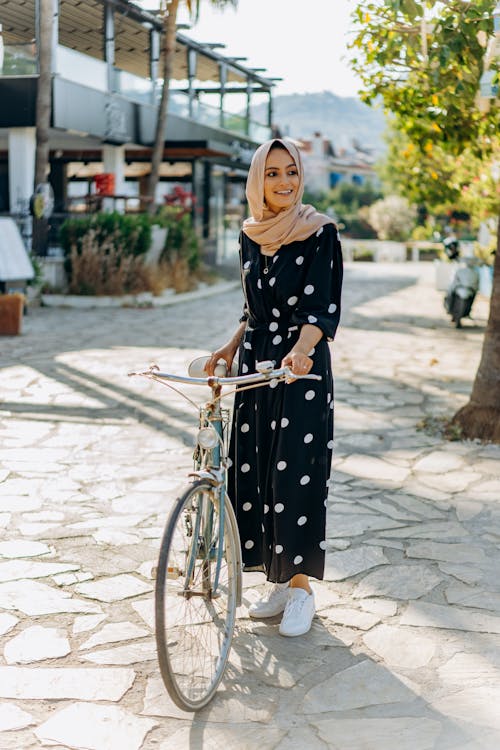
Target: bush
(357, 227)
(104, 253)
(182, 241)
(131, 233)
(98, 267)
(392, 217)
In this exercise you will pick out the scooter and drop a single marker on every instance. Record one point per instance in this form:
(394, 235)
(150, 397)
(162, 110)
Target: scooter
(464, 285)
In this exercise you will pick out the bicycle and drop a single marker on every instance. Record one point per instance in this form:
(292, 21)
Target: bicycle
(198, 578)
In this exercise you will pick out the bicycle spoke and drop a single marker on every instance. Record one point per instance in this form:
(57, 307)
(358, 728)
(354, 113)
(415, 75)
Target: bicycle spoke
(197, 625)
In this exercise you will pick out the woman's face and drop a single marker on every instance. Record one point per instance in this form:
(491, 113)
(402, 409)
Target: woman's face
(281, 180)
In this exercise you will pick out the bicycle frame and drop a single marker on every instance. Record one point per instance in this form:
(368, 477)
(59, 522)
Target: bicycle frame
(210, 461)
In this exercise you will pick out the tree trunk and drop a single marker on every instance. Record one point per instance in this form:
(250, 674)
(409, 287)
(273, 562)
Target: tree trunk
(159, 144)
(480, 418)
(43, 113)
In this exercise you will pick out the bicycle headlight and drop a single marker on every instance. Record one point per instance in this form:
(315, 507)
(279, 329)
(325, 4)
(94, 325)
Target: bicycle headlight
(207, 438)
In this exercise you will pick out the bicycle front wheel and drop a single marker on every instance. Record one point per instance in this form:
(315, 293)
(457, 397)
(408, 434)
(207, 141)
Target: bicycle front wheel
(195, 614)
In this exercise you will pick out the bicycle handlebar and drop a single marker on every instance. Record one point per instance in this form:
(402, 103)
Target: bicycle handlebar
(282, 373)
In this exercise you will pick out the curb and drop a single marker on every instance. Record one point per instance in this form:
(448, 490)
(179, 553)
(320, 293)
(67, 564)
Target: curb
(145, 299)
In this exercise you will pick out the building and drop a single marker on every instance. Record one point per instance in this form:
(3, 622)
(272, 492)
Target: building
(325, 166)
(105, 94)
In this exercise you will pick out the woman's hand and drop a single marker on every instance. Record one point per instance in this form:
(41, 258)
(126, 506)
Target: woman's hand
(226, 352)
(298, 362)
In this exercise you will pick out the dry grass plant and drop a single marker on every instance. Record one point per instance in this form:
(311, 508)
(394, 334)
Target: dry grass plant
(103, 269)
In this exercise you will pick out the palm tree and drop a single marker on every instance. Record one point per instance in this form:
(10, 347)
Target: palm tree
(169, 28)
(43, 112)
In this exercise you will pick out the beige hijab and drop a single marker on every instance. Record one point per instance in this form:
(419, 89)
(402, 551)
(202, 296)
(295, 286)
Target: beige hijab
(270, 230)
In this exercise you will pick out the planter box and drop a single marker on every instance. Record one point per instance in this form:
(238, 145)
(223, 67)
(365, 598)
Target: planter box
(11, 314)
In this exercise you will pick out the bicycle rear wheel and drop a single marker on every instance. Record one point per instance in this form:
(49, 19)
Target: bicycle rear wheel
(194, 625)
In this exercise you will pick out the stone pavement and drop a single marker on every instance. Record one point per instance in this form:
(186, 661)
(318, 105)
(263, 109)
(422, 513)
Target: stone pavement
(405, 650)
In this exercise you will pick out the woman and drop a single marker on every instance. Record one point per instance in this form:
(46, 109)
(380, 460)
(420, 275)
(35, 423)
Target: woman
(281, 440)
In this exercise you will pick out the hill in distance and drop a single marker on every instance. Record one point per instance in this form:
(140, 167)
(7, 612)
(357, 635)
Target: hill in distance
(341, 119)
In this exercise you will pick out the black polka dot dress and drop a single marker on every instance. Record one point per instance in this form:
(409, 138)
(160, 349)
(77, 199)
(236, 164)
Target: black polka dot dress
(282, 435)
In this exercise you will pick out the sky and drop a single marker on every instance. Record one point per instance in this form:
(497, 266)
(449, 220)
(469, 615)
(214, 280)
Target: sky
(305, 43)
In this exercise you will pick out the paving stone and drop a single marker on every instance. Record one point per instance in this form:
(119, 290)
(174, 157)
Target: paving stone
(427, 614)
(226, 707)
(7, 622)
(19, 503)
(439, 462)
(113, 522)
(145, 608)
(87, 622)
(114, 632)
(215, 737)
(417, 506)
(34, 598)
(116, 537)
(358, 524)
(416, 488)
(132, 653)
(46, 515)
(412, 733)
(324, 596)
(456, 481)
(114, 588)
(383, 607)
(439, 530)
(404, 582)
(68, 579)
(339, 544)
(89, 726)
(376, 504)
(13, 717)
(14, 570)
(467, 510)
(147, 569)
(470, 669)
(471, 597)
(351, 617)
(476, 705)
(297, 736)
(446, 552)
(400, 647)
(65, 683)
(484, 574)
(359, 465)
(364, 684)
(490, 486)
(342, 565)
(36, 643)
(389, 543)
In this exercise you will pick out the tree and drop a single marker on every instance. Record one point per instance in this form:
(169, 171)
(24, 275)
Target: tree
(170, 9)
(392, 217)
(424, 60)
(43, 113)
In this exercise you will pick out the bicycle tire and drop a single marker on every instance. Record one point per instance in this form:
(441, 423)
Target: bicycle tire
(194, 632)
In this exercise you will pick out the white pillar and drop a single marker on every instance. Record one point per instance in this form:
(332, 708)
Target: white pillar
(113, 158)
(22, 147)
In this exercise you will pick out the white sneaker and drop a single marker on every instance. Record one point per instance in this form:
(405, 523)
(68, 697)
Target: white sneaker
(298, 614)
(272, 603)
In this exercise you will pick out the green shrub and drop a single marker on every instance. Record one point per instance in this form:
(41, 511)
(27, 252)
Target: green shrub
(131, 233)
(182, 240)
